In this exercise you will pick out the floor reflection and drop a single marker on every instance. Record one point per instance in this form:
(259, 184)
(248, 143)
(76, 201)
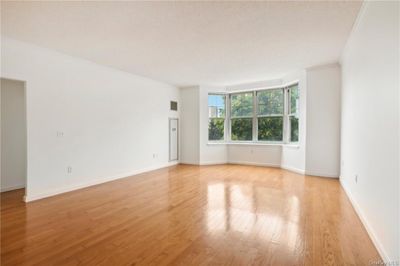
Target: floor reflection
(244, 208)
(216, 209)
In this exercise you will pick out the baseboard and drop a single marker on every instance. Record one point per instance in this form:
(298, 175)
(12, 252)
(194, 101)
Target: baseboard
(330, 175)
(286, 167)
(5, 189)
(364, 221)
(255, 164)
(213, 163)
(293, 169)
(189, 163)
(29, 198)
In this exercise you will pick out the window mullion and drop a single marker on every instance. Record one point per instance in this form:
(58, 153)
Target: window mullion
(255, 122)
(285, 115)
(228, 117)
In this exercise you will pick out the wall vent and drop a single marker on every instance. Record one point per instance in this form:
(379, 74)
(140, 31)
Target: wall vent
(174, 106)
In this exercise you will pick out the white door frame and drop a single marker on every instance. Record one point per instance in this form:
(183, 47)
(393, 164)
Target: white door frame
(169, 139)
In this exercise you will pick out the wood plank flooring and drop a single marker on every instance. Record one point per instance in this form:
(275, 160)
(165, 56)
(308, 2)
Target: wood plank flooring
(189, 215)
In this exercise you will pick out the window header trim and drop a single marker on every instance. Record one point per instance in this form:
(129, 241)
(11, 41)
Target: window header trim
(283, 86)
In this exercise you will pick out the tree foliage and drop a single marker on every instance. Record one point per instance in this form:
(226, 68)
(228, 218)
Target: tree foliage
(242, 129)
(294, 129)
(270, 102)
(270, 128)
(216, 129)
(294, 96)
(242, 105)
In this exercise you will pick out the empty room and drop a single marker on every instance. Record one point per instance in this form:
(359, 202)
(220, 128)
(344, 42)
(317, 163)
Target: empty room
(200, 133)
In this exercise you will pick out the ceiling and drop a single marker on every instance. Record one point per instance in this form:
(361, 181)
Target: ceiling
(189, 43)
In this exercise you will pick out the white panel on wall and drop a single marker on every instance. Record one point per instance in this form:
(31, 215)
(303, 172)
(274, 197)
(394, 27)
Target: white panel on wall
(190, 127)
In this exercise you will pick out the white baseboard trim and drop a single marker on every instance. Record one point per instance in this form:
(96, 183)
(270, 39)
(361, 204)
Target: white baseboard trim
(364, 221)
(293, 169)
(286, 167)
(5, 189)
(53, 192)
(189, 163)
(213, 163)
(255, 164)
(321, 174)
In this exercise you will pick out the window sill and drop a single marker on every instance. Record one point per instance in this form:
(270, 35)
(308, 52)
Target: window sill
(249, 143)
(291, 146)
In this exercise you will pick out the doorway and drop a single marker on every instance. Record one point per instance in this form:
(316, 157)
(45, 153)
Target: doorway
(173, 139)
(13, 135)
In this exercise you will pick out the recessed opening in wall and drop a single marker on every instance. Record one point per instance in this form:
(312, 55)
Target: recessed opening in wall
(13, 135)
(266, 115)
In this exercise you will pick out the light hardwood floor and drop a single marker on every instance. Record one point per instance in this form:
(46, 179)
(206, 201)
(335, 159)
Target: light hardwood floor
(189, 215)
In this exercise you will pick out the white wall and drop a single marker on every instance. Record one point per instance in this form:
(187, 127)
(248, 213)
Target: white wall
(263, 155)
(13, 135)
(370, 123)
(190, 127)
(323, 121)
(113, 123)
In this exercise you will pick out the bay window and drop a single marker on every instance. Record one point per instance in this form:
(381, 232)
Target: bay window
(265, 116)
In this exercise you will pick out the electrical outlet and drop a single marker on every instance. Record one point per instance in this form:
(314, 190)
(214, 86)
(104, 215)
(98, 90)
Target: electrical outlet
(60, 134)
(356, 178)
(69, 169)
(154, 155)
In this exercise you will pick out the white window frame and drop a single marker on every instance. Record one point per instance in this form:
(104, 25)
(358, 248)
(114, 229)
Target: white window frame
(225, 118)
(290, 114)
(286, 116)
(273, 115)
(230, 117)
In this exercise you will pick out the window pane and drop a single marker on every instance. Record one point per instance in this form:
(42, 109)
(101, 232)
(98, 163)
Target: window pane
(242, 129)
(216, 129)
(294, 99)
(270, 128)
(270, 102)
(242, 105)
(216, 105)
(294, 129)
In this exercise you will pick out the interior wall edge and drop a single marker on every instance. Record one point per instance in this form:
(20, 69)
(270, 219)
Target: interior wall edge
(371, 233)
(293, 169)
(329, 175)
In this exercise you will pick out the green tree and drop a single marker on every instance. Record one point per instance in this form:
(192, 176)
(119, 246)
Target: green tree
(270, 128)
(294, 129)
(242, 129)
(216, 129)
